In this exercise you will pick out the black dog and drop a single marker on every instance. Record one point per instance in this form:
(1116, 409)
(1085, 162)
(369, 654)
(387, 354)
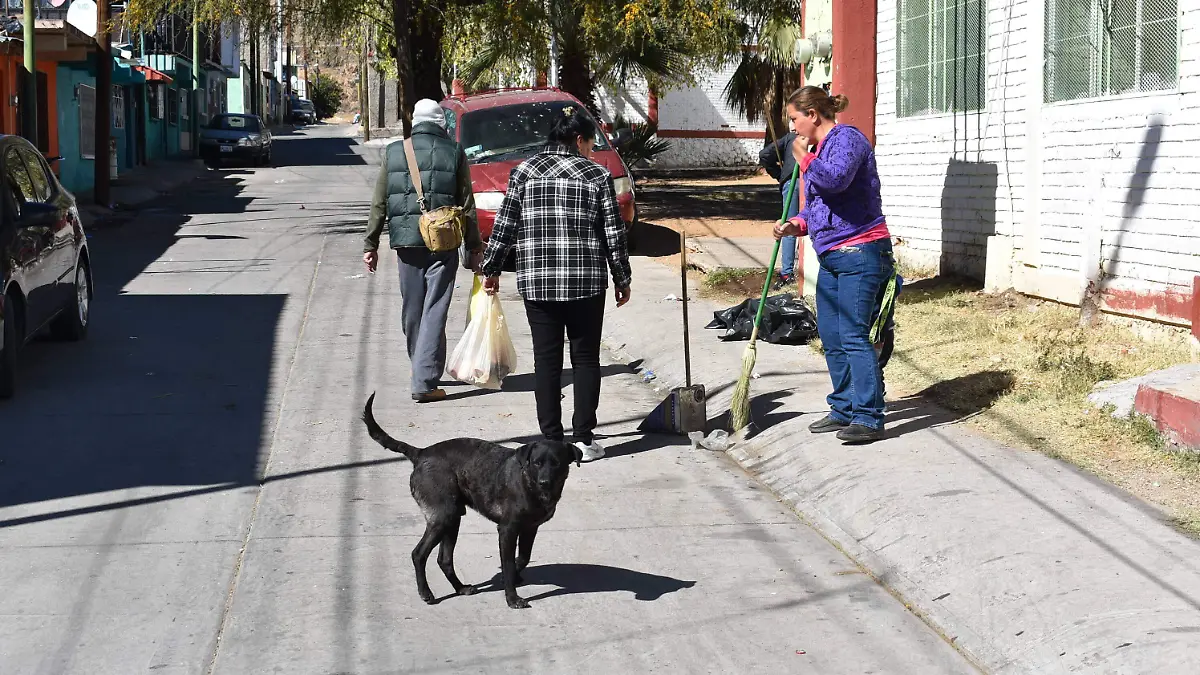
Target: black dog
(516, 489)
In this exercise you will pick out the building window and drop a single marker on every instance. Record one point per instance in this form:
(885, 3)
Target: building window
(173, 106)
(87, 121)
(184, 108)
(1105, 47)
(118, 107)
(941, 56)
(157, 104)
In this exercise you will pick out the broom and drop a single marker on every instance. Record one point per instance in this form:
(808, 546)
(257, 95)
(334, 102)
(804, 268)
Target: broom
(739, 410)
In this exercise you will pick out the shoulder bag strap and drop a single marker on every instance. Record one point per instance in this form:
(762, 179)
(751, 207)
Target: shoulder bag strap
(414, 172)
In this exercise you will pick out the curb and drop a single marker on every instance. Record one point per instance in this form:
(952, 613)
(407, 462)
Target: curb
(1022, 563)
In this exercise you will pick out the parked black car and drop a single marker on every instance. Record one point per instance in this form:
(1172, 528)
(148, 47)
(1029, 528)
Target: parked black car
(303, 112)
(235, 136)
(45, 267)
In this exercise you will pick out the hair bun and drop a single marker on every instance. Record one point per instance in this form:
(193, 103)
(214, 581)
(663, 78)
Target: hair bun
(840, 102)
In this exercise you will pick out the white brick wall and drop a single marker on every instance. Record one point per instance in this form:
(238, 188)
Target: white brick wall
(1103, 186)
(695, 108)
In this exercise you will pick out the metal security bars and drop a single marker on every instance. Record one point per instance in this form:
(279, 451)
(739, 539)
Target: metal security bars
(941, 56)
(1108, 47)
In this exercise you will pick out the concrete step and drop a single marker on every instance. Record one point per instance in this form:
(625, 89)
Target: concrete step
(1175, 409)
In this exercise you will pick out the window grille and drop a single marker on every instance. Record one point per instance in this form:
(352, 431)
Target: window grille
(941, 56)
(1100, 48)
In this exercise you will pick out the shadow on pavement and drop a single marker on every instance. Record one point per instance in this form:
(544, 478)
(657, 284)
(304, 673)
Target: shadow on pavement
(525, 382)
(573, 579)
(167, 389)
(948, 401)
(303, 151)
(747, 202)
(655, 241)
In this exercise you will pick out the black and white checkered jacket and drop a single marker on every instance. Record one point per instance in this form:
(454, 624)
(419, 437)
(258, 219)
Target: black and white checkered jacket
(561, 213)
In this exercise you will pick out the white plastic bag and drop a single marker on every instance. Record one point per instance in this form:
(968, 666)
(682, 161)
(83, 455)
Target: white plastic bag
(485, 354)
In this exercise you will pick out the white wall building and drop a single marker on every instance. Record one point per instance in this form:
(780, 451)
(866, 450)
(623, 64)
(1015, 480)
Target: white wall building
(1045, 144)
(703, 131)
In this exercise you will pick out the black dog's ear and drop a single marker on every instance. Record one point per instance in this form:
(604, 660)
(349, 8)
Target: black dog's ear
(578, 454)
(523, 455)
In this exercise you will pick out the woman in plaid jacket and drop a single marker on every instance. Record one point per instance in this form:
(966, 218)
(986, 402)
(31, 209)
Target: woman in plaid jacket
(560, 212)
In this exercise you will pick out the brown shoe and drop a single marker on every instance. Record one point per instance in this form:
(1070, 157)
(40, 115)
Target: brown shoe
(430, 396)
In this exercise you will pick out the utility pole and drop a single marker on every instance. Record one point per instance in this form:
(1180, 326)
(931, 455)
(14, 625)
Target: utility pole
(195, 102)
(366, 99)
(29, 104)
(103, 103)
(254, 70)
(287, 62)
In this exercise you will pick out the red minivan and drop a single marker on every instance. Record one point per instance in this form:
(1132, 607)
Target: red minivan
(500, 129)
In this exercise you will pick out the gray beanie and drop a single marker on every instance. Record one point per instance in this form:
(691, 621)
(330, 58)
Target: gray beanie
(428, 110)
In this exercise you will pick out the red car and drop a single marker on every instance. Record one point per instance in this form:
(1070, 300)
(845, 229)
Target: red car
(500, 129)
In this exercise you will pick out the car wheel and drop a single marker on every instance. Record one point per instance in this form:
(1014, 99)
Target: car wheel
(72, 323)
(8, 354)
(632, 232)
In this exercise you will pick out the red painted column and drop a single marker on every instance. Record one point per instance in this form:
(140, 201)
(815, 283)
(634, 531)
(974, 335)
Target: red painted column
(652, 109)
(854, 67)
(457, 88)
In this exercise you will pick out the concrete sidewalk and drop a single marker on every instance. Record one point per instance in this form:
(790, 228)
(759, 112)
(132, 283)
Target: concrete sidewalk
(1027, 564)
(137, 187)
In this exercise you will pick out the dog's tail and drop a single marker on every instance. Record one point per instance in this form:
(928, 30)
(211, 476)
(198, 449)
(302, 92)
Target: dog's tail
(381, 437)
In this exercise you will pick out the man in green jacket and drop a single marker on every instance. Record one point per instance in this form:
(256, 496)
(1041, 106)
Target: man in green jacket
(426, 278)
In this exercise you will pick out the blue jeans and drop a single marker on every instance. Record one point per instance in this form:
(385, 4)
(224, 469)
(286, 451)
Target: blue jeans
(787, 250)
(850, 289)
(787, 245)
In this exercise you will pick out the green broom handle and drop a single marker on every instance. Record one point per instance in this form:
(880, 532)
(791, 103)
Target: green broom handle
(775, 253)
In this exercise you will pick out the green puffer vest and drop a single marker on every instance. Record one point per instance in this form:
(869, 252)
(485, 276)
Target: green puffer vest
(437, 158)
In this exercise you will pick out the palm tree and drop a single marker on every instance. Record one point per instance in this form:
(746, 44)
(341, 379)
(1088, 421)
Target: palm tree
(583, 62)
(768, 72)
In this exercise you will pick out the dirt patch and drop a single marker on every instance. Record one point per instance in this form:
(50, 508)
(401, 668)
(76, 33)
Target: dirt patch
(712, 208)
(737, 283)
(1024, 369)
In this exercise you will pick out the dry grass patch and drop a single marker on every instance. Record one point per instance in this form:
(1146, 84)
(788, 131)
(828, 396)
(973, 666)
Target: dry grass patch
(1031, 368)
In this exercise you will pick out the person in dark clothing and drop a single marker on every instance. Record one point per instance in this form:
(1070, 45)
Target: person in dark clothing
(426, 278)
(560, 212)
(778, 160)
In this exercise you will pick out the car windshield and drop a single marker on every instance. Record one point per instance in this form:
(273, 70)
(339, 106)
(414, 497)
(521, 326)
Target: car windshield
(307, 105)
(513, 131)
(235, 123)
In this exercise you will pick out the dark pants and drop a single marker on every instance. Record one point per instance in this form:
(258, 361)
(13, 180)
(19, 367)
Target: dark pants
(426, 285)
(582, 321)
(850, 289)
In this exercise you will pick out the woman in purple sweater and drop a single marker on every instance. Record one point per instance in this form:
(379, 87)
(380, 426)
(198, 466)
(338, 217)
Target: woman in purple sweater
(843, 216)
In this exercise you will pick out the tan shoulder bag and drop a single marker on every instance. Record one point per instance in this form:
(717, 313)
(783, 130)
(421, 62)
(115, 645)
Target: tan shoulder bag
(441, 228)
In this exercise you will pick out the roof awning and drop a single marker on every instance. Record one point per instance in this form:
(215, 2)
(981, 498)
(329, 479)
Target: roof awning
(153, 75)
(126, 73)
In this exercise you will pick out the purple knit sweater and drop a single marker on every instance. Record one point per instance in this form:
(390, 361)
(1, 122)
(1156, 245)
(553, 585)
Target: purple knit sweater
(841, 189)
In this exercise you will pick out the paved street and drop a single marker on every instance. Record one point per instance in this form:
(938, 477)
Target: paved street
(190, 490)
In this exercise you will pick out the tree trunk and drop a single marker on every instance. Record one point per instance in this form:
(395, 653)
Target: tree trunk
(404, 71)
(426, 51)
(575, 73)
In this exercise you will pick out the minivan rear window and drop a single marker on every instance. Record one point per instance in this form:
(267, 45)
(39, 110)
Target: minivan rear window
(514, 131)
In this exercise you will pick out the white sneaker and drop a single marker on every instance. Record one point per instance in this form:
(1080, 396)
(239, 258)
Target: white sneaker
(591, 452)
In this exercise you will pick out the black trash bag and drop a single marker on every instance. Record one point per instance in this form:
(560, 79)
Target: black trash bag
(786, 320)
